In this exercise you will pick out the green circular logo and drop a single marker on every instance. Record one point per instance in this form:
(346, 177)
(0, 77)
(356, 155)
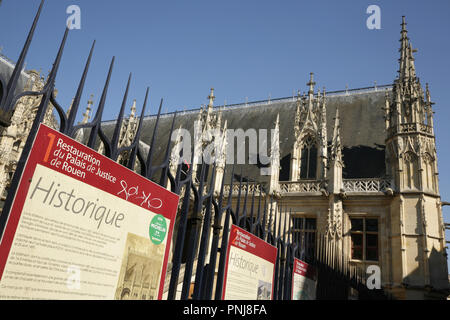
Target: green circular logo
(158, 229)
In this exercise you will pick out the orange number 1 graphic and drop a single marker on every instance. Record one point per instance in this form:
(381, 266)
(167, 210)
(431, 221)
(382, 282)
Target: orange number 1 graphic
(50, 145)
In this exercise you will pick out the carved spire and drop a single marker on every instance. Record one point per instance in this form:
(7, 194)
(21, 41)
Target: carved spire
(323, 134)
(335, 184)
(310, 133)
(404, 43)
(429, 107)
(70, 108)
(298, 114)
(175, 153)
(201, 114)
(409, 123)
(198, 137)
(79, 136)
(387, 110)
(311, 84)
(129, 127)
(408, 106)
(208, 119)
(407, 69)
(133, 110)
(427, 93)
(311, 114)
(323, 115)
(274, 186)
(336, 149)
(220, 157)
(86, 115)
(211, 98)
(275, 147)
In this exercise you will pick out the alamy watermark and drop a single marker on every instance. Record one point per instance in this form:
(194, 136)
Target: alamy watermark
(229, 147)
(74, 19)
(374, 20)
(374, 280)
(73, 278)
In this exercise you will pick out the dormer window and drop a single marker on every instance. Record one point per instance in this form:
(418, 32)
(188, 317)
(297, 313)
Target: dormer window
(308, 162)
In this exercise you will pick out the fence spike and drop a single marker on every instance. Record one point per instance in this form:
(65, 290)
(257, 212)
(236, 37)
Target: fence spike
(275, 223)
(76, 101)
(290, 227)
(8, 101)
(264, 219)
(258, 216)
(238, 204)
(165, 165)
(152, 144)
(244, 210)
(205, 232)
(231, 184)
(101, 106)
(222, 186)
(251, 211)
(269, 227)
(133, 153)
(119, 122)
(279, 223)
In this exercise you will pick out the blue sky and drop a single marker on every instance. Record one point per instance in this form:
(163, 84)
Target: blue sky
(244, 49)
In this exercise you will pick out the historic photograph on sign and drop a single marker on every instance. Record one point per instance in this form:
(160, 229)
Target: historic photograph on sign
(264, 290)
(141, 268)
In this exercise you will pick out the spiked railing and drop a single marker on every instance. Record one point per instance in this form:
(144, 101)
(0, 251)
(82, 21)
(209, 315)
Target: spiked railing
(8, 97)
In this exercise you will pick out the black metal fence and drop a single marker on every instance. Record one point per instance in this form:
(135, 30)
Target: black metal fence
(205, 214)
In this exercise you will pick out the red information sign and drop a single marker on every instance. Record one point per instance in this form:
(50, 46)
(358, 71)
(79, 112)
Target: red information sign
(304, 282)
(84, 227)
(250, 267)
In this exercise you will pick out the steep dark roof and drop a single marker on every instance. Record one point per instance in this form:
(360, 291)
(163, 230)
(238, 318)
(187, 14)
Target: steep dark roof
(362, 127)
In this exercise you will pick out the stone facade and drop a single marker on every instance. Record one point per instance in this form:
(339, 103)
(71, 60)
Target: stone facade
(13, 138)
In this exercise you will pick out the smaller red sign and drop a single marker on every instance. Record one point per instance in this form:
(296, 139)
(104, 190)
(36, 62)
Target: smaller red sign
(304, 269)
(250, 267)
(304, 281)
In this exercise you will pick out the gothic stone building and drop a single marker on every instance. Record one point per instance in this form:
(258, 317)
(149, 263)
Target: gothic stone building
(12, 139)
(357, 165)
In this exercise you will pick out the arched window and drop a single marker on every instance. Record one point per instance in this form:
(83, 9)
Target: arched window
(308, 161)
(411, 170)
(430, 173)
(16, 145)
